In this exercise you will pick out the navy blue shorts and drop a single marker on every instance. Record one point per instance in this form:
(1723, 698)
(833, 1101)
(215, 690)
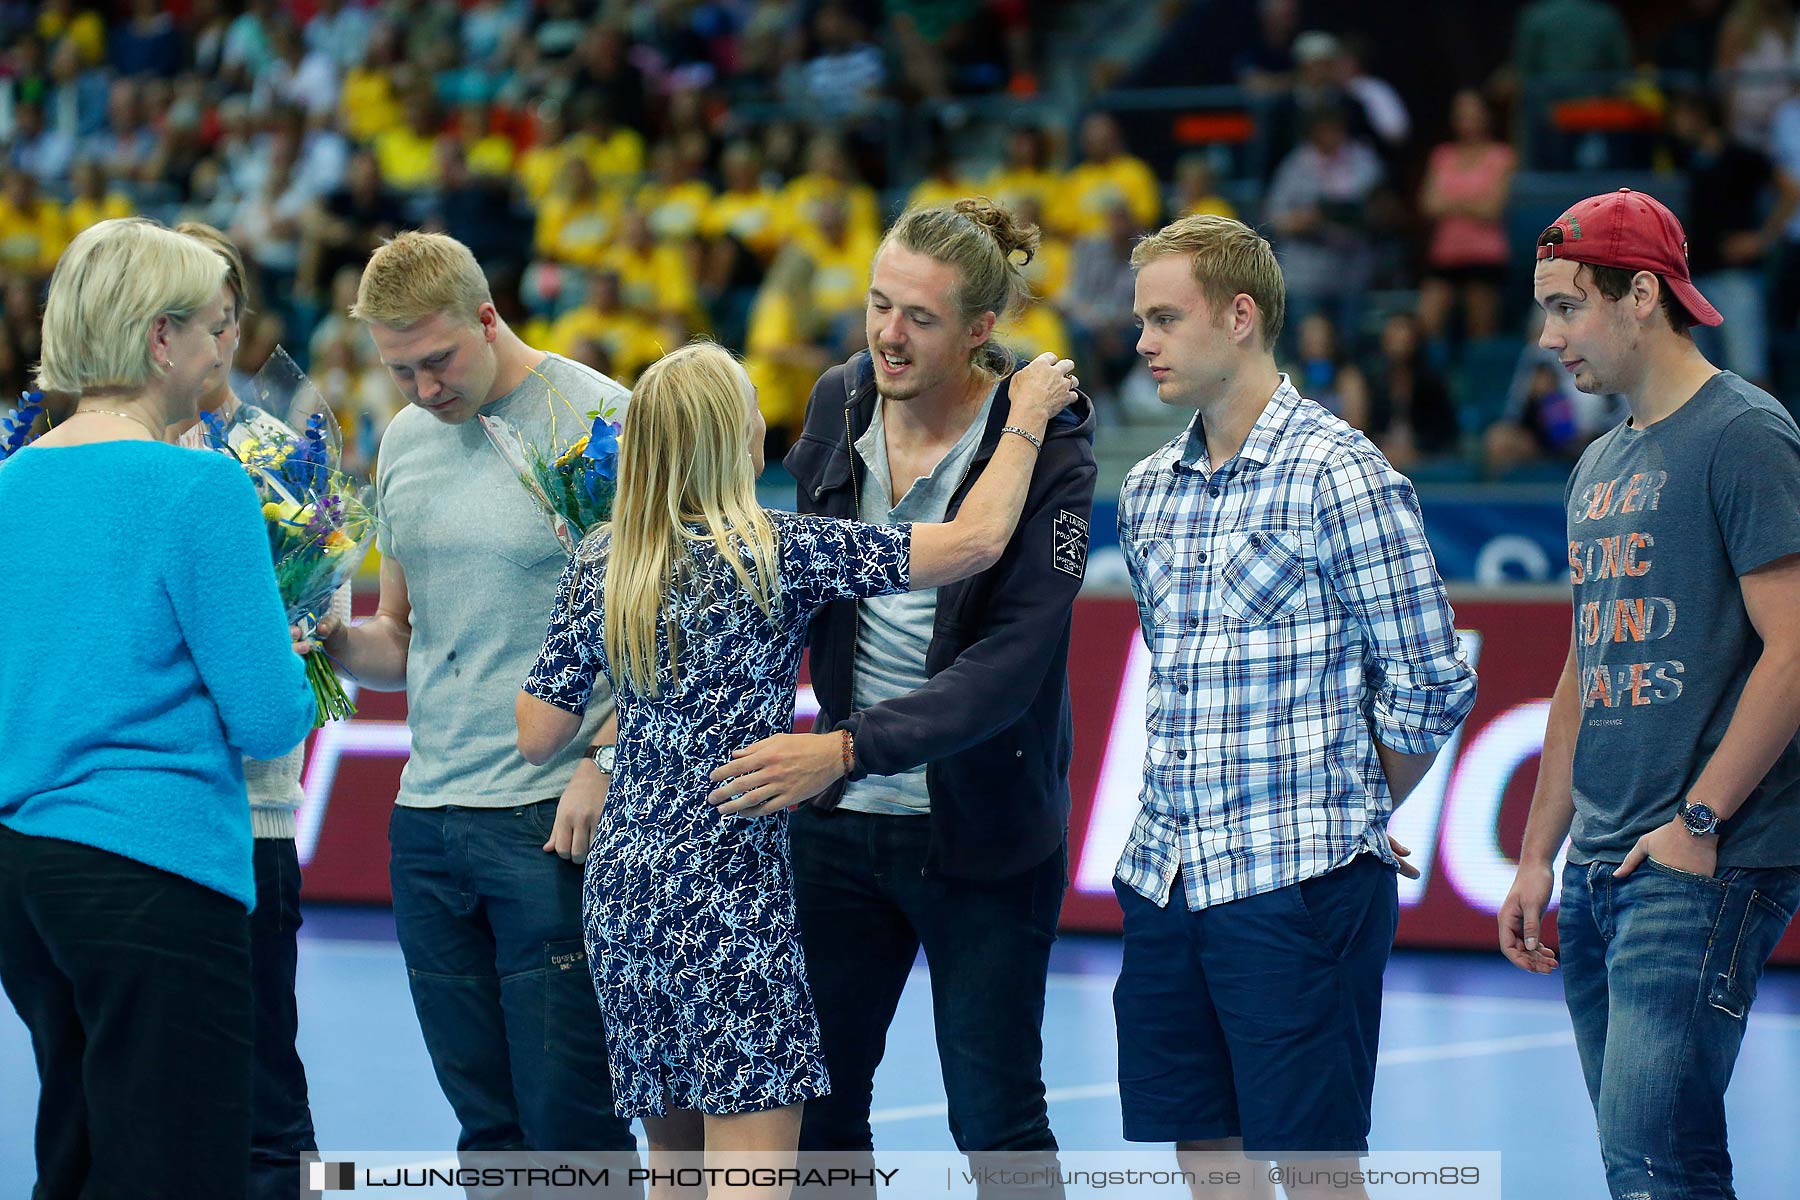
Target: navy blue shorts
(1258, 1018)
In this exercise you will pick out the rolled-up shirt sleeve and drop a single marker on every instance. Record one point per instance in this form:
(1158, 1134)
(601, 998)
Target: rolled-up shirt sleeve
(1374, 556)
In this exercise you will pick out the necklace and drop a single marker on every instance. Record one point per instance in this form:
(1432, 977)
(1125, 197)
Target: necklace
(113, 412)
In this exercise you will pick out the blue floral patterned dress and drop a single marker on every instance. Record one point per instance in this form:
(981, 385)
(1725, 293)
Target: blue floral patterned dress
(689, 915)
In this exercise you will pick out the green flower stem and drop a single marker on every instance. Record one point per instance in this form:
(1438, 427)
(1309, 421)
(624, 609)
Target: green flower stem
(334, 704)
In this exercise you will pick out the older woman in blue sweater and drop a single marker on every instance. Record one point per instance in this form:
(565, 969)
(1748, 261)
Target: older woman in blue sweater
(146, 653)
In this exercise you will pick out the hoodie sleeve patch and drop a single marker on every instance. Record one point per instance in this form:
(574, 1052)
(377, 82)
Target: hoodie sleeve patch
(1069, 553)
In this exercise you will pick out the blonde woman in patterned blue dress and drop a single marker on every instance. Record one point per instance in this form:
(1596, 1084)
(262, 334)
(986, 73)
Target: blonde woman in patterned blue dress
(694, 603)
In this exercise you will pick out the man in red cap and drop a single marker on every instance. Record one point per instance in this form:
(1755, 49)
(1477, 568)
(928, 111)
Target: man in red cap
(1671, 756)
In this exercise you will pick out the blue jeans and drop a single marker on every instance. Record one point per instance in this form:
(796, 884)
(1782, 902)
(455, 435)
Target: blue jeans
(866, 906)
(490, 926)
(1660, 969)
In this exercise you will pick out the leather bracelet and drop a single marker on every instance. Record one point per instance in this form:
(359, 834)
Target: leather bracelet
(1032, 438)
(847, 748)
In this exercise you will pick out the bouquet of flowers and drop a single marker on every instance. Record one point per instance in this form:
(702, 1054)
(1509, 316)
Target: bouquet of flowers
(16, 429)
(319, 521)
(572, 485)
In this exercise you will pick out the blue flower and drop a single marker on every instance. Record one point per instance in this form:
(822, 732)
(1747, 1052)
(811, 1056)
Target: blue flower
(602, 450)
(216, 437)
(596, 488)
(306, 465)
(15, 431)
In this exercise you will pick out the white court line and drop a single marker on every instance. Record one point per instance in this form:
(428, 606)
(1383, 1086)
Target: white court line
(1780, 1020)
(1475, 1049)
(1102, 1091)
(1067, 981)
(1403, 1057)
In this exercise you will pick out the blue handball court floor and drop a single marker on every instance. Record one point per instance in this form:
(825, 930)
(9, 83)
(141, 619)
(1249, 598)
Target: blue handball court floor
(1475, 1056)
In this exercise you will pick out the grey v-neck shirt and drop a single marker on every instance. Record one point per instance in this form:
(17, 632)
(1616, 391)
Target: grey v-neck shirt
(895, 631)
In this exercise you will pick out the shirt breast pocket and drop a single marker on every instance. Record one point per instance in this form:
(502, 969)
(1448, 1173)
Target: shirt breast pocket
(1263, 578)
(1155, 580)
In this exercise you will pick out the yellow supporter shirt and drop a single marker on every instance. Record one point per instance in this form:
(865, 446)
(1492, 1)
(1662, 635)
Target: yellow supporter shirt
(1010, 188)
(1033, 330)
(31, 239)
(1212, 206)
(82, 213)
(540, 167)
(629, 339)
(800, 198)
(84, 28)
(408, 161)
(1048, 270)
(676, 211)
(491, 155)
(753, 218)
(781, 387)
(368, 104)
(660, 280)
(619, 157)
(577, 232)
(934, 192)
(1092, 188)
(840, 272)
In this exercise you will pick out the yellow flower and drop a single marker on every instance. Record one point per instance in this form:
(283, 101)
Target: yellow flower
(288, 514)
(257, 453)
(573, 453)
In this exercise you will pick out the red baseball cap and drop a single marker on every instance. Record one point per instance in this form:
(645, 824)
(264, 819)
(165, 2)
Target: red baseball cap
(1634, 231)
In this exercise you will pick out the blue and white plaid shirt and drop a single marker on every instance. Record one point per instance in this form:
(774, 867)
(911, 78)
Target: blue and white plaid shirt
(1292, 610)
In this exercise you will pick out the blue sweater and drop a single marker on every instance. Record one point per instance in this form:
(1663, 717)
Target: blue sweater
(143, 651)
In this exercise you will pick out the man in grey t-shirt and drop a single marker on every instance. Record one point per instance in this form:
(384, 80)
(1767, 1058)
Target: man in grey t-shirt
(486, 849)
(1670, 751)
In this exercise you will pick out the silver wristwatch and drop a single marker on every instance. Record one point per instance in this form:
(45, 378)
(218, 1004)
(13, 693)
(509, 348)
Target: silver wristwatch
(1699, 819)
(604, 757)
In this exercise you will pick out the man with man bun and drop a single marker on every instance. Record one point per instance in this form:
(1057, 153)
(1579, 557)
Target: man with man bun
(946, 826)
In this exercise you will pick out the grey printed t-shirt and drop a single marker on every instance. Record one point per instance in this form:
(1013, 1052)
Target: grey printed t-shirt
(894, 632)
(1662, 521)
(481, 571)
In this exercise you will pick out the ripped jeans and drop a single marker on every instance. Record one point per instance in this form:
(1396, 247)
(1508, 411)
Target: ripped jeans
(1659, 970)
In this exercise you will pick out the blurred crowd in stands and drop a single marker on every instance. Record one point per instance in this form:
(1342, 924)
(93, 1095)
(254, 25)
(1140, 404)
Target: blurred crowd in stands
(631, 173)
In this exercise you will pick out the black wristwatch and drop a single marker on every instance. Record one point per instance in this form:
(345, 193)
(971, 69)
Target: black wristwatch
(1698, 819)
(604, 757)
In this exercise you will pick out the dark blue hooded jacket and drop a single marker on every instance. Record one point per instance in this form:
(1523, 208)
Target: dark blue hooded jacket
(992, 720)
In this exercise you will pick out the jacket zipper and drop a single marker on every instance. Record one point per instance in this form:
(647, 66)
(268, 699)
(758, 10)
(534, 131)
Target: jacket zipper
(855, 605)
(967, 467)
(850, 449)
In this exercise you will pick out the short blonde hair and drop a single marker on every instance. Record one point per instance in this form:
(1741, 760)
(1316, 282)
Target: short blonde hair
(108, 288)
(1228, 259)
(418, 275)
(236, 278)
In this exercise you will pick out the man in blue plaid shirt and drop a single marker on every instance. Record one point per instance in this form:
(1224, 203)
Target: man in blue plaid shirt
(1305, 669)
